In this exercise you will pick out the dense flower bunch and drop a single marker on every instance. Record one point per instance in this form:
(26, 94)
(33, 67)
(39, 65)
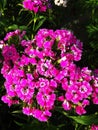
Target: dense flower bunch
(36, 5)
(43, 73)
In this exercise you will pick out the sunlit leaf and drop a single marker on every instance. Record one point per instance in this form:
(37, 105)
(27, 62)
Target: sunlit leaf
(13, 27)
(85, 120)
(40, 24)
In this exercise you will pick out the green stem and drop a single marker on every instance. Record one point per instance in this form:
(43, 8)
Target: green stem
(35, 19)
(76, 126)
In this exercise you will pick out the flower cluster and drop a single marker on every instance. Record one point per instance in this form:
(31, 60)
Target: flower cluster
(36, 5)
(44, 72)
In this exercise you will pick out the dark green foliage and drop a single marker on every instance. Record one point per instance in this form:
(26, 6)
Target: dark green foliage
(81, 16)
(92, 29)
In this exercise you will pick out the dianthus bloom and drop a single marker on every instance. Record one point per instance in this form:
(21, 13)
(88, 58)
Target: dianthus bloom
(43, 72)
(36, 5)
(94, 127)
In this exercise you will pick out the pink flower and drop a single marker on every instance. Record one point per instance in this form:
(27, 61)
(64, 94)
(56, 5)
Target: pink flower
(25, 90)
(79, 44)
(36, 5)
(28, 4)
(7, 99)
(44, 67)
(41, 115)
(72, 94)
(43, 82)
(94, 127)
(10, 88)
(27, 111)
(44, 71)
(61, 74)
(76, 53)
(37, 113)
(66, 105)
(85, 89)
(54, 71)
(53, 84)
(24, 60)
(5, 69)
(43, 8)
(95, 97)
(10, 53)
(85, 102)
(86, 73)
(45, 99)
(45, 38)
(80, 110)
(11, 34)
(75, 73)
(64, 63)
(60, 98)
(96, 72)
(26, 43)
(1, 44)
(65, 84)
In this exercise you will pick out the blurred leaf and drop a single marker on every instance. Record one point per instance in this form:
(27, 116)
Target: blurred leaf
(21, 11)
(91, 3)
(3, 4)
(23, 28)
(92, 29)
(18, 123)
(30, 22)
(2, 23)
(21, 5)
(0, 105)
(13, 27)
(18, 111)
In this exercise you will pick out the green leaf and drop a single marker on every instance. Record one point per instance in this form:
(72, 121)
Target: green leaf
(3, 4)
(91, 3)
(39, 24)
(2, 23)
(18, 123)
(23, 28)
(30, 22)
(85, 120)
(13, 27)
(18, 111)
(0, 105)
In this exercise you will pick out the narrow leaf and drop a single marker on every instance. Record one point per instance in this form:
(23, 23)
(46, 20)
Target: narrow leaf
(40, 24)
(13, 27)
(85, 120)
